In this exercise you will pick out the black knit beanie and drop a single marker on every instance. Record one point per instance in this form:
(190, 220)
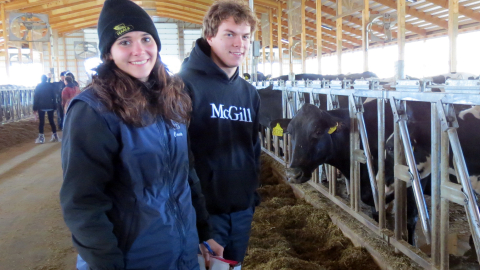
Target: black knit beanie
(119, 17)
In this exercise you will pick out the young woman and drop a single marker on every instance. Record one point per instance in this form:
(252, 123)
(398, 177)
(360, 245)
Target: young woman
(69, 92)
(128, 190)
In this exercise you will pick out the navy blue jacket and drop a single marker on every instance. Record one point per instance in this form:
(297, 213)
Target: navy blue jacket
(126, 196)
(223, 132)
(44, 97)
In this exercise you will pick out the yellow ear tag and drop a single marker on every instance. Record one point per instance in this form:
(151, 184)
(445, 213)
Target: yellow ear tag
(332, 129)
(277, 130)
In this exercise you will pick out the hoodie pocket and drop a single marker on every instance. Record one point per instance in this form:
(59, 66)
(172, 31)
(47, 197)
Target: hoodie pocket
(231, 190)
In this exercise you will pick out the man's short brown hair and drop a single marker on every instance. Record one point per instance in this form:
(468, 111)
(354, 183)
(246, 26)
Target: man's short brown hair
(224, 9)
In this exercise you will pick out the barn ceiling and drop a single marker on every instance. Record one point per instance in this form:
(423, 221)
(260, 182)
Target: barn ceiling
(424, 18)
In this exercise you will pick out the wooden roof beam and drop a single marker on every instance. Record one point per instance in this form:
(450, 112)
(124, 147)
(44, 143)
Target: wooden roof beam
(326, 21)
(53, 5)
(182, 14)
(350, 18)
(73, 9)
(312, 34)
(76, 27)
(182, 3)
(416, 13)
(74, 21)
(298, 50)
(180, 11)
(177, 17)
(324, 44)
(259, 5)
(465, 11)
(81, 14)
(18, 4)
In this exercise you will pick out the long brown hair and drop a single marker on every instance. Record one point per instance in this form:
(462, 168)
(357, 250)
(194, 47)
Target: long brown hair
(138, 103)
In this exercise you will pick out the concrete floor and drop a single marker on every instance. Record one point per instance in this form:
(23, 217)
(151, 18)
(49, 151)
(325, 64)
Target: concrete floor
(32, 232)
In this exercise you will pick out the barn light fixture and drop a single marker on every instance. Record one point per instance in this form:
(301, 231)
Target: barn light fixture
(411, 1)
(326, 27)
(285, 41)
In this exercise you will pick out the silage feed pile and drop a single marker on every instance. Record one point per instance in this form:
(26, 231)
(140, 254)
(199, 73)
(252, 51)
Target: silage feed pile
(289, 234)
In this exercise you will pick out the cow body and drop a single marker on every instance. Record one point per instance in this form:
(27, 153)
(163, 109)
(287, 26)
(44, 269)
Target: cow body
(313, 146)
(313, 77)
(419, 128)
(271, 100)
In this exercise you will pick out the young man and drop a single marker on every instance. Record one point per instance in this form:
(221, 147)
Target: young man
(224, 126)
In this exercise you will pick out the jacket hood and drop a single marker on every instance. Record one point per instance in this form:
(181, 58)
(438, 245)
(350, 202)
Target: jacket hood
(200, 60)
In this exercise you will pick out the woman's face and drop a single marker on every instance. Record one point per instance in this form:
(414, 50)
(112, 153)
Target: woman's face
(135, 53)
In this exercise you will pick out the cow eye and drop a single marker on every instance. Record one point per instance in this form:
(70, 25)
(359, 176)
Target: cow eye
(317, 134)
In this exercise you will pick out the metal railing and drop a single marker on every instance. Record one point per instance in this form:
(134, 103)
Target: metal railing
(443, 133)
(16, 102)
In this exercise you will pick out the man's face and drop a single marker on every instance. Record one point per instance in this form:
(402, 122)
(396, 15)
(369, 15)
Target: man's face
(230, 45)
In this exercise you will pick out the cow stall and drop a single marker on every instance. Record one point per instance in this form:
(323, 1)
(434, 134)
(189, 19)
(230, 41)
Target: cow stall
(443, 125)
(16, 103)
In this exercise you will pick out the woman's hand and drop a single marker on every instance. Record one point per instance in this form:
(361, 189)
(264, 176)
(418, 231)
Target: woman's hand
(36, 115)
(215, 247)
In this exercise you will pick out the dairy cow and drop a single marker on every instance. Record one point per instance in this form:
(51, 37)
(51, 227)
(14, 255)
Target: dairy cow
(419, 128)
(314, 144)
(271, 100)
(260, 76)
(312, 77)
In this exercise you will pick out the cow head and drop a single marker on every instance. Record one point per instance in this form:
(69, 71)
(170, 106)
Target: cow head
(421, 153)
(312, 145)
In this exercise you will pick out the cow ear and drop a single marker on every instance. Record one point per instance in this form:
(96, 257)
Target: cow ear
(333, 129)
(279, 125)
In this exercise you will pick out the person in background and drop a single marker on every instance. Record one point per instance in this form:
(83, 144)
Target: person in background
(58, 97)
(69, 92)
(73, 78)
(130, 196)
(44, 102)
(224, 126)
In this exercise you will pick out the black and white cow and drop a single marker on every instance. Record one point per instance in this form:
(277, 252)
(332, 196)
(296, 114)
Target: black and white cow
(313, 77)
(260, 76)
(419, 127)
(271, 100)
(313, 145)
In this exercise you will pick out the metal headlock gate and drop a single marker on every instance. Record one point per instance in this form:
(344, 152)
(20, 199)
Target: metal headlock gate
(16, 102)
(444, 133)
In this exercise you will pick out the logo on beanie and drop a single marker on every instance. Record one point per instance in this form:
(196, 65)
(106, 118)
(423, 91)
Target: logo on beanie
(122, 29)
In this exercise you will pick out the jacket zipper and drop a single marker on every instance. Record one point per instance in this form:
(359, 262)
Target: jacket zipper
(173, 202)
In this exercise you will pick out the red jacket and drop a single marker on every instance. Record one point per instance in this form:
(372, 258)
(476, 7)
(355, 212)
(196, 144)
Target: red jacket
(68, 93)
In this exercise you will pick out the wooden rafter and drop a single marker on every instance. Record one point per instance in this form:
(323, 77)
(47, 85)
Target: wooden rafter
(465, 11)
(416, 13)
(53, 5)
(177, 17)
(76, 27)
(313, 35)
(74, 21)
(81, 14)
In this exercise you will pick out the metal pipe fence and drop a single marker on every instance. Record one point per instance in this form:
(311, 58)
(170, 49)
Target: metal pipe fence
(443, 133)
(16, 102)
